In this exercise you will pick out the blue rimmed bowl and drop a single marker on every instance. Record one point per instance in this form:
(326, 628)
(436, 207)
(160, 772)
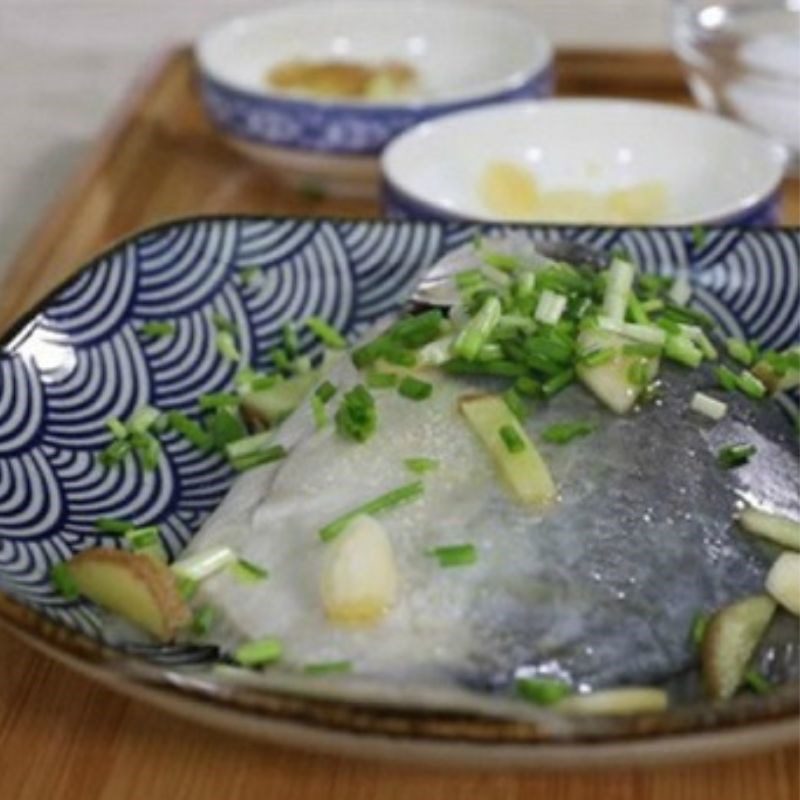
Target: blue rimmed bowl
(464, 56)
(710, 171)
(82, 357)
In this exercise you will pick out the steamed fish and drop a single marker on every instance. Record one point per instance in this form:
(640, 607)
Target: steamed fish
(563, 482)
(600, 588)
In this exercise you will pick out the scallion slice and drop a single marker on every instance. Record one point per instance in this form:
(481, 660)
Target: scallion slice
(116, 527)
(511, 439)
(328, 668)
(708, 406)
(619, 282)
(739, 351)
(550, 308)
(318, 412)
(156, 329)
(202, 620)
(565, 432)
(421, 465)
(326, 333)
(385, 502)
(680, 348)
(381, 380)
(726, 378)
(207, 562)
(257, 459)
(735, 455)
(542, 691)
(64, 583)
(258, 652)
(190, 430)
(455, 555)
(117, 428)
(226, 344)
(356, 417)
(478, 330)
(748, 383)
(247, 572)
(325, 391)
(143, 419)
(414, 389)
(218, 400)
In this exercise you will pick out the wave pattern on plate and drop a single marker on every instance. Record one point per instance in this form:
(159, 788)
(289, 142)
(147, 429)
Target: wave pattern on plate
(85, 358)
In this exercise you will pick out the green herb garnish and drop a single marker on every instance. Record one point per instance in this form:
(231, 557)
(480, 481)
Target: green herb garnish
(414, 389)
(385, 502)
(357, 417)
(542, 691)
(565, 432)
(258, 652)
(454, 555)
(735, 455)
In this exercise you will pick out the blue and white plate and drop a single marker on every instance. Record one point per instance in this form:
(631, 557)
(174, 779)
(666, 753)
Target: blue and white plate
(81, 358)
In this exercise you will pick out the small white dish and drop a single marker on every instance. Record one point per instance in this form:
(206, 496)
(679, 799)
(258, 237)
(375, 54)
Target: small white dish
(464, 56)
(708, 169)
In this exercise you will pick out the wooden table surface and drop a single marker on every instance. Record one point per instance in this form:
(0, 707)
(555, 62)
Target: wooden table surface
(62, 736)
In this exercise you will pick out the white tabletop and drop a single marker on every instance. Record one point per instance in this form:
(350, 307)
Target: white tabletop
(65, 64)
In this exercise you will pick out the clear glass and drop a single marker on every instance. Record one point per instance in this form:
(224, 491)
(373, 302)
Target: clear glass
(742, 59)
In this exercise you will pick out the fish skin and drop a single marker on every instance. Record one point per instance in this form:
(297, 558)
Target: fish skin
(600, 590)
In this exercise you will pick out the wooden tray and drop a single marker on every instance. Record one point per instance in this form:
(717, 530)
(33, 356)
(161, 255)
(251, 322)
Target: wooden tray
(67, 737)
(160, 158)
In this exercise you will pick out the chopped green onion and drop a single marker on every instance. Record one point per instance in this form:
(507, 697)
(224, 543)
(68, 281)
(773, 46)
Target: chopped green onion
(595, 358)
(655, 284)
(421, 465)
(739, 351)
(325, 391)
(511, 439)
(414, 389)
(496, 276)
(455, 555)
(490, 352)
(565, 432)
(281, 360)
(187, 587)
(618, 288)
(258, 652)
(202, 620)
(515, 404)
(291, 343)
(650, 306)
(202, 565)
(143, 538)
(247, 572)
(436, 352)
(328, 668)
(226, 345)
(708, 406)
(381, 380)
(469, 278)
(117, 428)
(550, 308)
(680, 348)
(114, 453)
(189, 429)
(681, 290)
(642, 349)
(225, 427)
(735, 455)
(725, 378)
(689, 316)
(143, 419)
(222, 323)
(478, 330)
(218, 400)
(357, 418)
(750, 385)
(636, 310)
(63, 581)
(256, 459)
(385, 502)
(558, 382)
(648, 334)
(528, 387)
(699, 235)
(157, 330)
(318, 412)
(115, 527)
(148, 448)
(638, 373)
(504, 369)
(327, 334)
(757, 682)
(698, 631)
(542, 691)
(302, 365)
(502, 261)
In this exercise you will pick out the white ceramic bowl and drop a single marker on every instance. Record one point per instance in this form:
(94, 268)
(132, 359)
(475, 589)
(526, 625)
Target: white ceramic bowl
(711, 170)
(465, 56)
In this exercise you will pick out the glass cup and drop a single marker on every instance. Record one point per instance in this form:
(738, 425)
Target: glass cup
(742, 59)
